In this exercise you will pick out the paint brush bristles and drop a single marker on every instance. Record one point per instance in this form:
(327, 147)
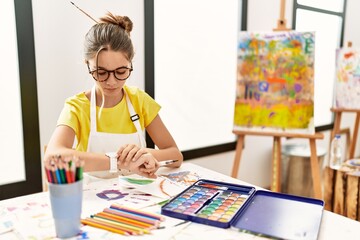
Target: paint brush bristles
(83, 12)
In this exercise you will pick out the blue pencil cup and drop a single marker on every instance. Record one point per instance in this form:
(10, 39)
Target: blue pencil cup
(66, 203)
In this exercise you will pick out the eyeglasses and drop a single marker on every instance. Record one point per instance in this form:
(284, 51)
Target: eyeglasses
(101, 75)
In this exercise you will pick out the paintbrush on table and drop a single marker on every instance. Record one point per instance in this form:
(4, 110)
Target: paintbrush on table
(167, 162)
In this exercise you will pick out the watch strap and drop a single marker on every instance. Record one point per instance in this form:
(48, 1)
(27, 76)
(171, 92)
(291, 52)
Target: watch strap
(113, 162)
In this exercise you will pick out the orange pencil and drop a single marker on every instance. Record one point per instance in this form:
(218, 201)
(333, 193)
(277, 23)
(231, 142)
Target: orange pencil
(139, 230)
(132, 216)
(68, 173)
(126, 220)
(129, 231)
(94, 224)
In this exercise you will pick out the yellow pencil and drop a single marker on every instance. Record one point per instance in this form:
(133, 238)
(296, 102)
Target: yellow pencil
(121, 225)
(128, 230)
(110, 229)
(126, 220)
(133, 216)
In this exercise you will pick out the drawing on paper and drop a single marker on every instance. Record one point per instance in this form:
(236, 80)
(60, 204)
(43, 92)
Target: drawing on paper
(184, 178)
(275, 82)
(159, 187)
(347, 81)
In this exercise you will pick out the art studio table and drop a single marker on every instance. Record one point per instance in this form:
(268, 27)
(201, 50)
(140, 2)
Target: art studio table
(29, 217)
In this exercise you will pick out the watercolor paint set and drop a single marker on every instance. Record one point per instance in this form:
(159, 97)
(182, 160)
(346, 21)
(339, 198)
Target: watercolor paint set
(225, 205)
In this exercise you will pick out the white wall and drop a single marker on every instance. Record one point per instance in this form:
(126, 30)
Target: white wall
(59, 30)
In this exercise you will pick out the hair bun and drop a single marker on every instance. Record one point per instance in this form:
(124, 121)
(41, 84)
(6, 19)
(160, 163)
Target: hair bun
(122, 21)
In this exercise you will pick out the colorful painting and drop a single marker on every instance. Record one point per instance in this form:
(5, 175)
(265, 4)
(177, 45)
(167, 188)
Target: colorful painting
(347, 81)
(275, 82)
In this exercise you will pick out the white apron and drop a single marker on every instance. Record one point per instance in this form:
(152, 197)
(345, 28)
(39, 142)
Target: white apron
(101, 142)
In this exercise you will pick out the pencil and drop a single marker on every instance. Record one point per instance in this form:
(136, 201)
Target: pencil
(61, 171)
(68, 173)
(126, 220)
(139, 230)
(72, 170)
(79, 169)
(135, 214)
(132, 216)
(58, 177)
(129, 231)
(137, 211)
(48, 175)
(94, 224)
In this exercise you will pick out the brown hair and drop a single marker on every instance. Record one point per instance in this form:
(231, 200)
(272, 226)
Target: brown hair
(112, 32)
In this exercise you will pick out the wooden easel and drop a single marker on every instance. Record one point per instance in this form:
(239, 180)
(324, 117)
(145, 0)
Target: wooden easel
(281, 23)
(337, 123)
(341, 188)
(276, 156)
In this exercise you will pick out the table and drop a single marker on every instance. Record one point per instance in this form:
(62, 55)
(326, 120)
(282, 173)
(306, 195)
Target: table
(31, 216)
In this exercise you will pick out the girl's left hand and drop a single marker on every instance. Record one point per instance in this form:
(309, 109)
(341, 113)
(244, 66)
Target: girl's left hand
(130, 153)
(145, 166)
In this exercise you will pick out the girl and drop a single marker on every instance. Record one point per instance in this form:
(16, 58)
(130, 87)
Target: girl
(108, 121)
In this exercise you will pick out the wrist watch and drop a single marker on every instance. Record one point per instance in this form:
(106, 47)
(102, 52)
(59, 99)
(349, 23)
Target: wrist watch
(113, 161)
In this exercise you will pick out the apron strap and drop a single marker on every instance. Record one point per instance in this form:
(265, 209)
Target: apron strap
(93, 118)
(134, 117)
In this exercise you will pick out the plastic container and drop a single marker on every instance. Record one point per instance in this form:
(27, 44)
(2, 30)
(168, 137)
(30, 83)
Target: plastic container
(335, 159)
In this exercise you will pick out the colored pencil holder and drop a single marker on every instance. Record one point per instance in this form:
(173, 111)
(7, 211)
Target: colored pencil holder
(66, 203)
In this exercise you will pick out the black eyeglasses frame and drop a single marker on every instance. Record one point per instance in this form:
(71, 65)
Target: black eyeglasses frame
(112, 71)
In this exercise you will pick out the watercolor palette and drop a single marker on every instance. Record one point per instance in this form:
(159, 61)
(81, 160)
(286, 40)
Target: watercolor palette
(225, 205)
(209, 202)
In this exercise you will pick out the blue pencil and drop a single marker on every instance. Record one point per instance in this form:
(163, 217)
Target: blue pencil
(57, 172)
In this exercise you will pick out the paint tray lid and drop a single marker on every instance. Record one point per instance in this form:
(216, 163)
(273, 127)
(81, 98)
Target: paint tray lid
(281, 216)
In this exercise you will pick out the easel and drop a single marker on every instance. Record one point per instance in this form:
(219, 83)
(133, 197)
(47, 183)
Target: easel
(281, 24)
(276, 156)
(341, 193)
(336, 129)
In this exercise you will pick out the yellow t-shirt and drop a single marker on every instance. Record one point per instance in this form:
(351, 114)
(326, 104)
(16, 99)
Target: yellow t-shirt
(76, 114)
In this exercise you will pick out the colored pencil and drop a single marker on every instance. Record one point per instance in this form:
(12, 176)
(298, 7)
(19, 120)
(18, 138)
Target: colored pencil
(53, 172)
(138, 230)
(72, 170)
(61, 171)
(79, 169)
(94, 224)
(126, 220)
(58, 177)
(129, 231)
(137, 211)
(68, 174)
(48, 175)
(132, 216)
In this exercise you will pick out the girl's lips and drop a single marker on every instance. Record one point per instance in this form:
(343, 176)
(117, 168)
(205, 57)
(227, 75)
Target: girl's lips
(110, 89)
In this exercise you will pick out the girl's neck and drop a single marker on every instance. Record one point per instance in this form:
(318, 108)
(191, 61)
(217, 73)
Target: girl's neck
(110, 101)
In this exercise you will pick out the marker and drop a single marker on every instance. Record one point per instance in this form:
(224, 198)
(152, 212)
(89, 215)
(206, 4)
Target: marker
(165, 163)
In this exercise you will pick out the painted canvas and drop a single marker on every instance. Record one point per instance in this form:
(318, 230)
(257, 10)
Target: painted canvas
(347, 81)
(275, 82)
